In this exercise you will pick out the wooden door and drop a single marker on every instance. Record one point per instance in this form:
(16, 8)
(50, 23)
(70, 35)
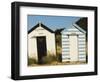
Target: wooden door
(73, 47)
(41, 48)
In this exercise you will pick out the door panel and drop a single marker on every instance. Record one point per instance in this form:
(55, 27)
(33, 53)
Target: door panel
(41, 48)
(73, 48)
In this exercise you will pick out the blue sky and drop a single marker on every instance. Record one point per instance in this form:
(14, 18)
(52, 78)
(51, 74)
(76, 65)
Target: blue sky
(53, 22)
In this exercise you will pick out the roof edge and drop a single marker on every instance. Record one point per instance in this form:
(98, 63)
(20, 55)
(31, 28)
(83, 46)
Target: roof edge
(42, 25)
(79, 28)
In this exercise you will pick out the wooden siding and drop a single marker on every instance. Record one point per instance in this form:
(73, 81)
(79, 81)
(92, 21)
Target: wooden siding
(67, 49)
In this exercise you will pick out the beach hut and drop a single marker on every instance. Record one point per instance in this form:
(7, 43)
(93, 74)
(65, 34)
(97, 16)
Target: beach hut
(41, 42)
(74, 44)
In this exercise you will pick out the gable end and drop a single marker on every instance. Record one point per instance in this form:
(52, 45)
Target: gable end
(43, 26)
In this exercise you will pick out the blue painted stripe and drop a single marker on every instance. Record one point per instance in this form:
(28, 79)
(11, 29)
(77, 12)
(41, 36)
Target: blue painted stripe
(81, 47)
(65, 44)
(65, 41)
(81, 50)
(66, 58)
(82, 57)
(80, 44)
(81, 37)
(81, 41)
(65, 55)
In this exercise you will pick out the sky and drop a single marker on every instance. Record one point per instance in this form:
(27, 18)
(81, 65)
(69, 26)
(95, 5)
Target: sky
(53, 22)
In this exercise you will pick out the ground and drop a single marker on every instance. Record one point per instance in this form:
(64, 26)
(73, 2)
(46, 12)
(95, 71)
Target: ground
(59, 63)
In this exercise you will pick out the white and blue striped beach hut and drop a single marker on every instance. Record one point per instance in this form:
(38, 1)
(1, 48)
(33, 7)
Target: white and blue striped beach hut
(74, 44)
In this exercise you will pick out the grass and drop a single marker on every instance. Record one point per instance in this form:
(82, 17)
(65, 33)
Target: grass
(32, 61)
(49, 59)
(45, 60)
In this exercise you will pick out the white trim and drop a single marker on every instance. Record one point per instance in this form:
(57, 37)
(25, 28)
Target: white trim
(79, 28)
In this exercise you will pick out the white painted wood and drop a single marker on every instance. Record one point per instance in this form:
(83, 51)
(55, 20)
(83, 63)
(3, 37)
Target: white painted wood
(65, 52)
(73, 48)
(32, 43)
(81, 35)
(82, 56)
(82, 52)
(80, 49)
